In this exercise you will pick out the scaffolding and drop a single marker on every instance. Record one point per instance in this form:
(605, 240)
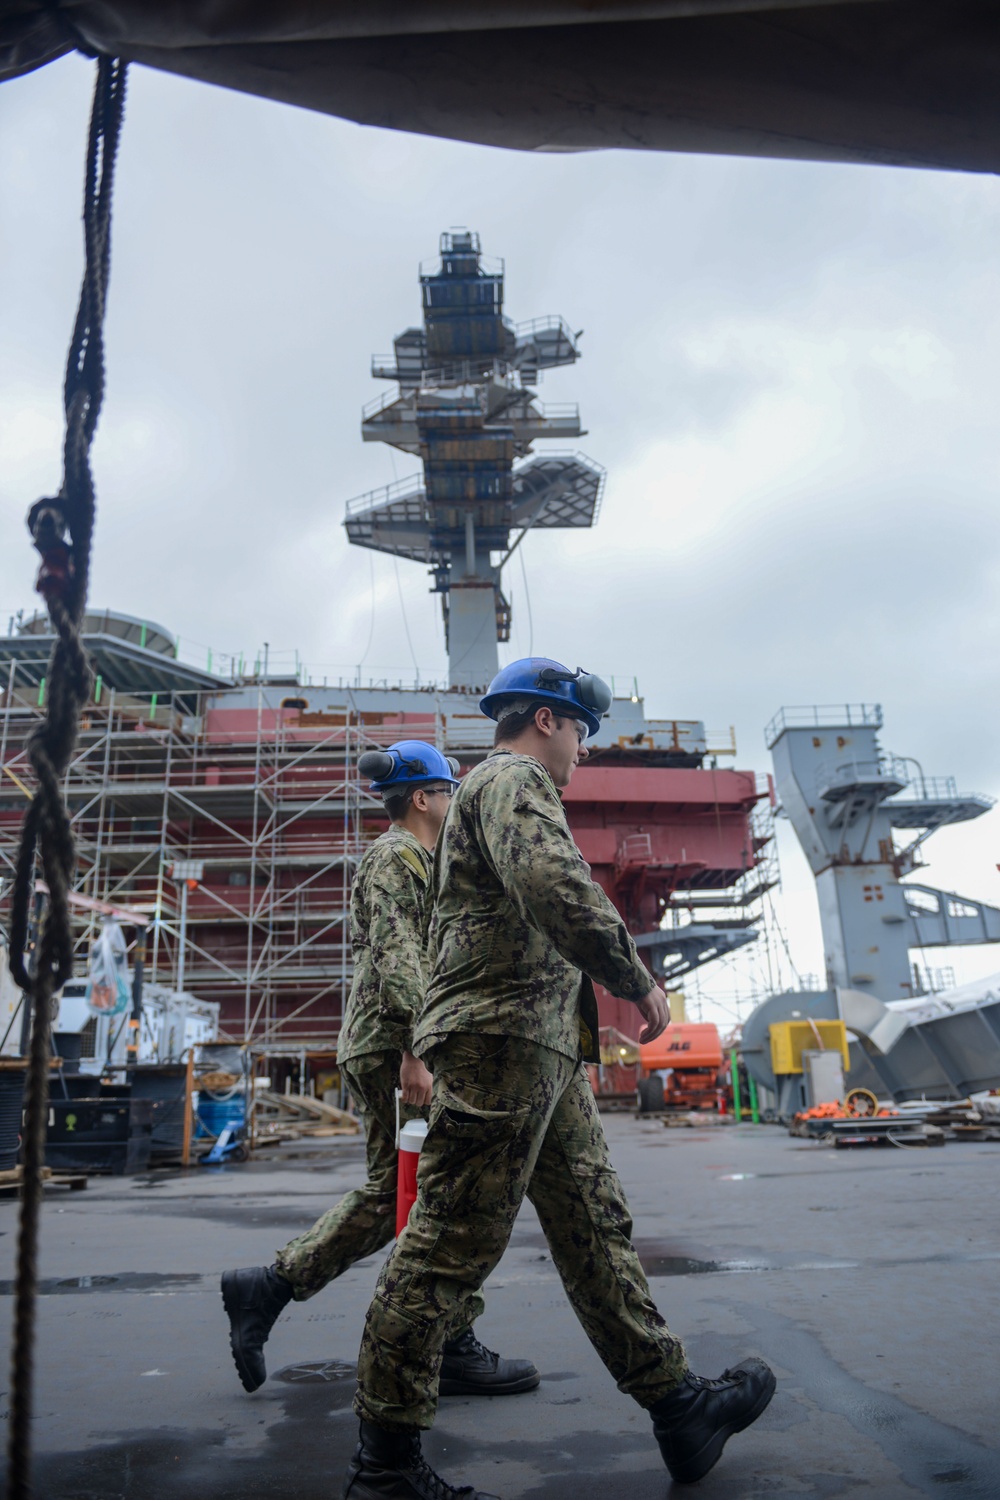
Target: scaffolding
(229, 816)
(268, 808)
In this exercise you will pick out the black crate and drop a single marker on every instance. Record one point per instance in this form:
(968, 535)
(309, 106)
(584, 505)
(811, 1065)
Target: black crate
(99, 1135)
(163, 1085)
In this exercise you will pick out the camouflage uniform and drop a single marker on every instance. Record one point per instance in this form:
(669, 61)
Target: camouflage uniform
(388, 933)
(507, 1024)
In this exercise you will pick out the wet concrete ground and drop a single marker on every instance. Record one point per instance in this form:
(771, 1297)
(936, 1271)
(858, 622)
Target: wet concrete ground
(870, 1280)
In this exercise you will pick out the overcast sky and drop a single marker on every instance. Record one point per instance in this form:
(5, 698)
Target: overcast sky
(789, 372)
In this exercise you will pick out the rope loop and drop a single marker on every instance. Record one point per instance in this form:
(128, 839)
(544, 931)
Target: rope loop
(62, 530)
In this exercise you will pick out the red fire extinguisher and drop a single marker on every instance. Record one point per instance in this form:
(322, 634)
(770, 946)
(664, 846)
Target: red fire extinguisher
(409, 1140)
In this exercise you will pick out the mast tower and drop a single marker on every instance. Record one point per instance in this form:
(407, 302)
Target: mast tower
(466, 406)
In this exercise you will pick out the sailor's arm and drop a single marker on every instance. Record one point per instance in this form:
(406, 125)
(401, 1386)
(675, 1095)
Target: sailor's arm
(394, 935)
(549, 883)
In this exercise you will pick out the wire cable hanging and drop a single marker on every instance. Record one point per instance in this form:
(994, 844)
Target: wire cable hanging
(527, 600)
(62, 529)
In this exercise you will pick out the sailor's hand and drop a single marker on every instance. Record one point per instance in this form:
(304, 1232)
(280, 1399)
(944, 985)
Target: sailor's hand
(655, 1007)
(415, 1081)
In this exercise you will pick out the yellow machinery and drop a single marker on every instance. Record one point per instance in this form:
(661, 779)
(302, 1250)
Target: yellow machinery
(789, 1039)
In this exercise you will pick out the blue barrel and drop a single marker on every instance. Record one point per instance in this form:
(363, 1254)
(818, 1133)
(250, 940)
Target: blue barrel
(215, 1114)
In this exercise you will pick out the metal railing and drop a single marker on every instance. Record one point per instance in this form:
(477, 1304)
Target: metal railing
(721, 741)
(400, 489)
(472, 732)
(824, 716)
(379, 404)
(536, 413)
(634, 852)
(926, 788)
(842, 774)
(551, 322)
(554, 414)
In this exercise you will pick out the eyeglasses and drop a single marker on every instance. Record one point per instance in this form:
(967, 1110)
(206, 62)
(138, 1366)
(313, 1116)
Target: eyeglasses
(441, 791)
(578, 725)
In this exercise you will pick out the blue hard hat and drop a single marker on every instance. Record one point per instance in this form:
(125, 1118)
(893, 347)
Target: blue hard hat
(407, 763)
(579, 693)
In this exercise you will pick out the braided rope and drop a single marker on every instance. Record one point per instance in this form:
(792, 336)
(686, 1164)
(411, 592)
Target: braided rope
(46, 832)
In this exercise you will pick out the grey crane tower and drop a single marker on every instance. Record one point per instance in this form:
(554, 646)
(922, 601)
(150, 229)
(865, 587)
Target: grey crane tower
(844, 798)
(847, 801)
(466, 406)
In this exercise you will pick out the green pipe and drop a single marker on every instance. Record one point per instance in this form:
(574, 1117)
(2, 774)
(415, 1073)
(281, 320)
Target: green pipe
(98, 683)
(142, 635)
(734, 1071)
(41, 693)
(754, 1111)
(152, 705)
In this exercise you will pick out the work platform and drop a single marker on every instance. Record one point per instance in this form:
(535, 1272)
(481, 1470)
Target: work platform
(867, 1279)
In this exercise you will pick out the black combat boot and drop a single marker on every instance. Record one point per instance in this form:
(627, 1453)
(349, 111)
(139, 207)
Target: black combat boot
(468, 1369)
(693, 1423)
(390, 1466)
(253, 1298)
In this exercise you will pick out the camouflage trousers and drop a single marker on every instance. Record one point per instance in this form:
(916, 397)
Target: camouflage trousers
(509, 1119)
(364, 1221)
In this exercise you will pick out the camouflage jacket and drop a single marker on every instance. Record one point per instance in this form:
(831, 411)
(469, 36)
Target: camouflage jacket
(388, 930)
(519, 928)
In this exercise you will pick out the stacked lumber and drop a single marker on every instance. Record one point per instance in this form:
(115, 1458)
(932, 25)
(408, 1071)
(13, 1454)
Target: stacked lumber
(963, 1119)
(294, 1117)
(12, 1180)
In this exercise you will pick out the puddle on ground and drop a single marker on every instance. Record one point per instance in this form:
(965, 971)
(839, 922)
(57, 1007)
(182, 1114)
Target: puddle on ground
(317, 1372)
(684, 1265)
(655, 1264)
(351, 1151)
(224, 1209)
(125, 1281)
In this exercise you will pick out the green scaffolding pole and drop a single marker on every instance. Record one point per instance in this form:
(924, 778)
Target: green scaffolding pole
(754, 1110)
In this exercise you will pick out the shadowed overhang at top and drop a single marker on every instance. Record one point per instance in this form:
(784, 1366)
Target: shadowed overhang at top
(897, 82)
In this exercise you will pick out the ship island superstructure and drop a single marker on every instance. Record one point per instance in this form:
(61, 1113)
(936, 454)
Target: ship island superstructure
(227, 807)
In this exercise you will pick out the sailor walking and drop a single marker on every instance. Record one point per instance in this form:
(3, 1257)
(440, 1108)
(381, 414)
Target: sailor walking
(519, 930)
(388, 935)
